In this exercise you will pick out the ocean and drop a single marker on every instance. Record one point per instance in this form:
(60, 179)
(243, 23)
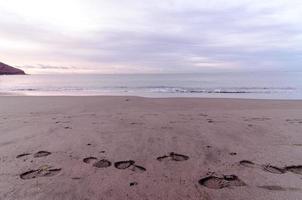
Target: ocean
(255, 85)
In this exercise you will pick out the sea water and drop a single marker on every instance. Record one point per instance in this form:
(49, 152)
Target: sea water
(259, 85)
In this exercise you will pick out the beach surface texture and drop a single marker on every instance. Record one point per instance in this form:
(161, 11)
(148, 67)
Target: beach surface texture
(94, 148)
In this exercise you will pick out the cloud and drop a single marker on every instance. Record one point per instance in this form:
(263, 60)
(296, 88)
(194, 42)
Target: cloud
(154, 36)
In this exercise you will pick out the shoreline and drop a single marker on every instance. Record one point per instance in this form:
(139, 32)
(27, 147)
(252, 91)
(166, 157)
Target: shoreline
(146, 97)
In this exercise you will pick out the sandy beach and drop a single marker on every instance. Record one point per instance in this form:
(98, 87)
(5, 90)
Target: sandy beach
(93, 148)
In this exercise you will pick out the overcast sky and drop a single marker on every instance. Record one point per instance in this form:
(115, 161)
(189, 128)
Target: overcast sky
(136, 36)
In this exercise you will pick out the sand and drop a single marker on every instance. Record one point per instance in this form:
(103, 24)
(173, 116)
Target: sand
(142, 148)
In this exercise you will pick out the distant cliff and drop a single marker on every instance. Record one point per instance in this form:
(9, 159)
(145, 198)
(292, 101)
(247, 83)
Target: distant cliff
(8, 70)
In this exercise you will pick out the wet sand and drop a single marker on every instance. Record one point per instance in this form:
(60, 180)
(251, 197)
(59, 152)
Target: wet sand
(142, 148)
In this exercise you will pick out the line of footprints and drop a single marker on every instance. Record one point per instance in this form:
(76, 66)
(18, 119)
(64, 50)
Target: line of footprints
(211, 180)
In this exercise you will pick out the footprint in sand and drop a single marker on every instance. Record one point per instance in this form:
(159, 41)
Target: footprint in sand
(215, 182)
(277, 188)
(178, 157)
(173, 156)
(267, 168)
(273, 169)
(133, 184)
(247, 163)
(41, 154)
(129, 164)
(36, 155)
(137, 168)
(43, 171)
(257, 119)
(22, 155)
(296, 169)
(123, 164)
(89, 160)
(210, 121)
(103, 163)
(162, 158)
(272, 187)
(294, 121)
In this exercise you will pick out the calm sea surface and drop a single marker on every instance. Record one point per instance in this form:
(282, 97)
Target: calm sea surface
(264, 85)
